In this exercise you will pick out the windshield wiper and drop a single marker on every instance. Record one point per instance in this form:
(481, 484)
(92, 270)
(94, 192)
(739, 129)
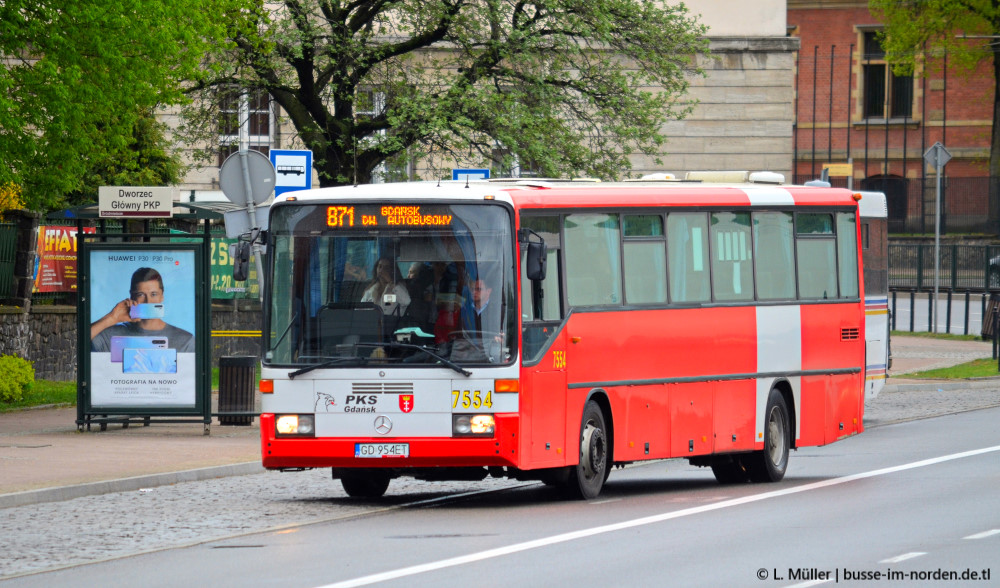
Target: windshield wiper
(327, 363)
(425, 349)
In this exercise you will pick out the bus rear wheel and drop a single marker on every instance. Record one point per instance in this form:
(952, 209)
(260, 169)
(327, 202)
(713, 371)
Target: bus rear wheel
(366, 485)
(587, 477)
(770, 464)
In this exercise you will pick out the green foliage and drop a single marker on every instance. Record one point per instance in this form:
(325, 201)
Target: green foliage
(569, 87)
(44, 393)
(80, 76)
(977, 368)
(147, 161)
(16, 376)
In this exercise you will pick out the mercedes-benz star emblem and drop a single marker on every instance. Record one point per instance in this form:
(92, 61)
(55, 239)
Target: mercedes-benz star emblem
(383, 425)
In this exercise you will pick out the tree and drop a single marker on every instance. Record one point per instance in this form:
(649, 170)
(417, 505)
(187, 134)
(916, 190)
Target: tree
(968, 30)
(569, 86)
(76, 78)
(148, 160)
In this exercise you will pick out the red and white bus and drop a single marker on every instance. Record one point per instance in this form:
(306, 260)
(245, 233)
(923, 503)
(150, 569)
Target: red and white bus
(554, 330)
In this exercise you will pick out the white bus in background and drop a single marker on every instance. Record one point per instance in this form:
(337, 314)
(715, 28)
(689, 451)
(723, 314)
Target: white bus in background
(874, 215)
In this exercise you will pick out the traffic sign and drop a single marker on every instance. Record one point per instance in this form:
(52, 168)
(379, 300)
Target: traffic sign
(256, 185)
(293, 168)
(937, 156)
(470, 174)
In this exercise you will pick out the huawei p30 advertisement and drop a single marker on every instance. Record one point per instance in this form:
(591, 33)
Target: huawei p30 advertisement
(142, 328)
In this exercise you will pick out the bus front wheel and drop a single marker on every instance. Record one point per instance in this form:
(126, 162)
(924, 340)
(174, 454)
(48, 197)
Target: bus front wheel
(587, 477)
(367, 485)
(770, 464)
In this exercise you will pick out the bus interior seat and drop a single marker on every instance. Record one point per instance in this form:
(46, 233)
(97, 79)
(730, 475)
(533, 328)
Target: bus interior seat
(349, 324)
(352, 290)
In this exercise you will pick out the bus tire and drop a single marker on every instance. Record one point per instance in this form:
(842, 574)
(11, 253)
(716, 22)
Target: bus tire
(770, 464)
(366, 485)
(587, 477)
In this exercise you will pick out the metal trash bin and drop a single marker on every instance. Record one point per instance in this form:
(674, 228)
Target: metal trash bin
(237, 387)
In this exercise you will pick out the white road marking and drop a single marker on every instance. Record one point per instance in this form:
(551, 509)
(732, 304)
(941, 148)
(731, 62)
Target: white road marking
(903, 557)
(583, 533)
(984, 534)
(810, 583)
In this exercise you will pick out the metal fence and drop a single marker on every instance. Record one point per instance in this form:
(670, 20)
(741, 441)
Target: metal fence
(961, 268)
(8, 255)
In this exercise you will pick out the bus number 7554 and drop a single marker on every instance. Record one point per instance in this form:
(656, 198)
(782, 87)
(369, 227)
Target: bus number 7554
(471, 399)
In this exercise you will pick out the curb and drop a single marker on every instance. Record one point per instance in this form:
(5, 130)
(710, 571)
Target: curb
(62, 493)
(991, 383)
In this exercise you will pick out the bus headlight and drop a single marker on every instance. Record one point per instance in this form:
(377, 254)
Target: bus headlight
(472, 425)
(300, 425)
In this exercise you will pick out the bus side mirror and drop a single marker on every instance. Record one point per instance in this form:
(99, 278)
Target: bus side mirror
(240, 252)
(537, 255)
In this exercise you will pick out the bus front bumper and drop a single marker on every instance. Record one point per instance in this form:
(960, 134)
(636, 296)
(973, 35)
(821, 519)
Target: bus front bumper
(280, 452)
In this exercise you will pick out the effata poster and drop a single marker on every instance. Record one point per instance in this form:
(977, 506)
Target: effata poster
(142, 328)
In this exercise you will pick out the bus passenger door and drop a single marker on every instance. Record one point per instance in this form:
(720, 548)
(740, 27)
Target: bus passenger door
(543, 401)
(543, 351)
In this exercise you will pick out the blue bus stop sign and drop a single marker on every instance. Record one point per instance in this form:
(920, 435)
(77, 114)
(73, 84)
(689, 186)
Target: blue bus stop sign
(292, 168)
(470, 174)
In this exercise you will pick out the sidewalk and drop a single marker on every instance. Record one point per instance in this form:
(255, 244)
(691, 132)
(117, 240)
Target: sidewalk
(43, 458)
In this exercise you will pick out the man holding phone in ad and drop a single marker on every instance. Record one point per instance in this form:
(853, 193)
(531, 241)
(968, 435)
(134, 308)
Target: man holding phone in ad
(140, 315)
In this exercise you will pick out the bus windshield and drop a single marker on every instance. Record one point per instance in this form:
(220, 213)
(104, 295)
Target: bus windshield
(416, 285)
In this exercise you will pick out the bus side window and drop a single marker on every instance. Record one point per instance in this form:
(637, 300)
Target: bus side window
(774, 250)
(687, 257)
(732, 263)
(847, 255)
(540, 322)
(817, 256)
(645, 259)
(593, 259)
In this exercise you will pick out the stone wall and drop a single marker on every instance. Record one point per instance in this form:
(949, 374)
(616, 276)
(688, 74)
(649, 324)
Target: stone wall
(46, 336)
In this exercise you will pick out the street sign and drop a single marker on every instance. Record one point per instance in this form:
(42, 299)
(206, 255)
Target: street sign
(839, 170)
(260, 177)
(136, 201)
(470, 174)
(937, 156)
(293, 168)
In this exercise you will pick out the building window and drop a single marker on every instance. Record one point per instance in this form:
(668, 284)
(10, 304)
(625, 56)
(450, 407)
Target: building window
(885, 95)
(245, 120)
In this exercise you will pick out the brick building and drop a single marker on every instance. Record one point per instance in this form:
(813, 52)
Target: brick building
(850, 107)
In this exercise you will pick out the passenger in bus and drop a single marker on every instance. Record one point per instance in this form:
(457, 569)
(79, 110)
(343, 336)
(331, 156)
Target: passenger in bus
(387, 290)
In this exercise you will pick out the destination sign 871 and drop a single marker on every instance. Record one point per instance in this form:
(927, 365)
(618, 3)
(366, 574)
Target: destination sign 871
(387, 215)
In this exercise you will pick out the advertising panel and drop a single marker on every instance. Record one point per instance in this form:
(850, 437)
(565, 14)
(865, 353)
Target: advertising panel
(55, 266)
(223, 284)
(143, 327)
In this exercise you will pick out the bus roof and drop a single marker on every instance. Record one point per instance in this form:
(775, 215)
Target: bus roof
(576, 194)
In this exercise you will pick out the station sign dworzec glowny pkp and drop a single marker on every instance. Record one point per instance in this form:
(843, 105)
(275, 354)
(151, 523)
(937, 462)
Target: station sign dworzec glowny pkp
(136, 201)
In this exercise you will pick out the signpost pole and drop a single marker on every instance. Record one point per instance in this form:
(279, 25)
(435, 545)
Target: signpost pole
(937, 156)
(252, 209)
